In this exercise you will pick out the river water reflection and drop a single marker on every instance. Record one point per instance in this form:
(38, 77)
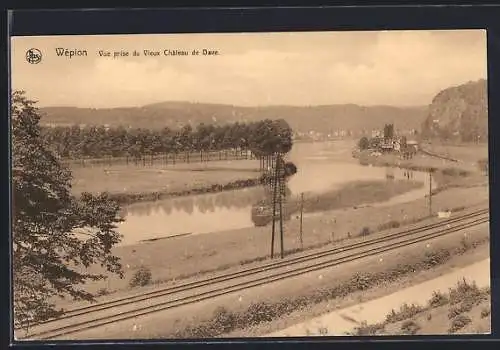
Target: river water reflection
(321, 167)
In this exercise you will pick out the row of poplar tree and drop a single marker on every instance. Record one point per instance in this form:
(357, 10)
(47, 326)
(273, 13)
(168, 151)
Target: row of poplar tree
(261, 137)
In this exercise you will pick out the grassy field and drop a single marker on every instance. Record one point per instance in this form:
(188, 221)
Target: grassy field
(122, 179)
(467, 171)
(464, 153)
(357, 193)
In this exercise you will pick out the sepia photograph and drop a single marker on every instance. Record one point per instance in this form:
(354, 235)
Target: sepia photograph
(248, 185)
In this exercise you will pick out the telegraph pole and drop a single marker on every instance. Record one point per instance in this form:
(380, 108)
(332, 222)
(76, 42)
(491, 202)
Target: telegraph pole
(301, 217)
(274, 188)
(430, 192)
(280, 189)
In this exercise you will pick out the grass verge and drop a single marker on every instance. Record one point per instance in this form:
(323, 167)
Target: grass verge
(224, 321)
(413, 319)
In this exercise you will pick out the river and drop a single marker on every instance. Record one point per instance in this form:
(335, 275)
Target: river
(321, 166)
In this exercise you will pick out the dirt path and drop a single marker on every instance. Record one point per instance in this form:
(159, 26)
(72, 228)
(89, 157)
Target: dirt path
(343, 321)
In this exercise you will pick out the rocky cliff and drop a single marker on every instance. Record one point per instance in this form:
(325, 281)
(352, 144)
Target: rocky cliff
(459, 113)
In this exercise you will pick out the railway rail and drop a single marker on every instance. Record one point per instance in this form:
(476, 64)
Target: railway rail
(102, 314)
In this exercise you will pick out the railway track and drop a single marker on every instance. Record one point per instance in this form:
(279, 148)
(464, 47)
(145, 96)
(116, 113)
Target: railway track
(102, 314)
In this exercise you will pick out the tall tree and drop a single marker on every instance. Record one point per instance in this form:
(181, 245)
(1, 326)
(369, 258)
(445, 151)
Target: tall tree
(54, 234)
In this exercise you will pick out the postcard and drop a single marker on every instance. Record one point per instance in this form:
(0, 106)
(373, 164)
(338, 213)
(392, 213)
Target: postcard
(287, 184)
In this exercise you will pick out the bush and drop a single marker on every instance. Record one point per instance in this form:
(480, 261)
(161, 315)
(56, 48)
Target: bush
(365, 231)
(142, 277)
(459, 322)
(405, 312)
(454, 312)
(485, 312)
(260, 312)
(389, 225)
(410, 327)
(438, 299)
(436, 258)
(361, 281)
(323, 331)
(223, 321)
(363, 143)
(102, 291)
(464, 290)
(365, 329)
(290, 169)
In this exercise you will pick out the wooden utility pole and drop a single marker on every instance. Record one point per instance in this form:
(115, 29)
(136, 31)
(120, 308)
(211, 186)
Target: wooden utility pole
(301, 216)
(274, 188)
(430, 192)
(280, 199)
(281, 224)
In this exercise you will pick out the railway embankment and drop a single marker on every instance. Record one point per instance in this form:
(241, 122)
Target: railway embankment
(335, 287)
(360, 273)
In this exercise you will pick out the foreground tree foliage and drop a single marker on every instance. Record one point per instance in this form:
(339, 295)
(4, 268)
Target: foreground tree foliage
(56, 236)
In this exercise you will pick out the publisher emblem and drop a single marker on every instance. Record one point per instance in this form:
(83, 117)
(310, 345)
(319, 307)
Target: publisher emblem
(33, 56)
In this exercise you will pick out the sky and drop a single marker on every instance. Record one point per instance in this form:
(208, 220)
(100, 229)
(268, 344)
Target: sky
(400, 68)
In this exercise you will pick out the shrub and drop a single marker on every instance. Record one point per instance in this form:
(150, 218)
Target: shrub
(464, 290)
(405, 312)
(365, 231)
(142, 277)
(323, 331)
(365, 329)
(223, 320)
(389, 225)
(438, 299)
(436, 258)
(361, 281)
(454, 312)
(363, 143)
(485, 312)
(410, 327)
(260, 312)
(459, 322)
(102, 291)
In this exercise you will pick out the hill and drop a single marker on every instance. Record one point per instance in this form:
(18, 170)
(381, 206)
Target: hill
(459, 113)
(303, 119)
